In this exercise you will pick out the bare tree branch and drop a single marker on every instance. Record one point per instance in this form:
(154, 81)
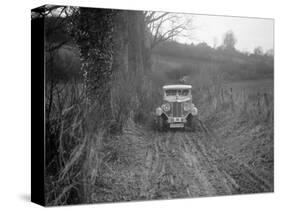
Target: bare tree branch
(166, 26)
(153, 18)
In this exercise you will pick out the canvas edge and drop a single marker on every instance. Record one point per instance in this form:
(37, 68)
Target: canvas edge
(37, 110)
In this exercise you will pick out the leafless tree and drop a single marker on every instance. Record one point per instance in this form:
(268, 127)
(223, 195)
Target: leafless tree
(55, 19)
(52, 11)
(164, 26)
(270, 53)
(258, 50)
(229, 41)
(215, 42)
(59, 15)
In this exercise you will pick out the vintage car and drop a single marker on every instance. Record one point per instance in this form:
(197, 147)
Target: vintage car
(177, 110)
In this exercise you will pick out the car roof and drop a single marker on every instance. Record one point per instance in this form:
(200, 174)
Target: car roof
(166, 87)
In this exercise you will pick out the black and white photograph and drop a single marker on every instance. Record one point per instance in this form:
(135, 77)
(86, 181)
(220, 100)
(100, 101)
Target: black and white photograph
(154, 105)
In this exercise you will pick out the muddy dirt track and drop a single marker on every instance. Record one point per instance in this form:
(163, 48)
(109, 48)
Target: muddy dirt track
(146, 164)
(187, 164)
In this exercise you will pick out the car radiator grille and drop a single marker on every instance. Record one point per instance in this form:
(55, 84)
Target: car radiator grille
(177, 111)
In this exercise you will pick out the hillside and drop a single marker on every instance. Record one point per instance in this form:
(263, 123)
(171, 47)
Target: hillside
(172, 61)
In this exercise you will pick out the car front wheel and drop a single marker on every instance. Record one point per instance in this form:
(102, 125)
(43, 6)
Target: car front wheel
(191, 123)
(161, 124)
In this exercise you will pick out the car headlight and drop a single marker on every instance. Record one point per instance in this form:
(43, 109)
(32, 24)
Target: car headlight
(187, 106)
(158, 111)
(166, 107)
(194, 111)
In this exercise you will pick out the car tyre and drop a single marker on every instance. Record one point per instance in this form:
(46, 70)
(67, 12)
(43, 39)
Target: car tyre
(161, 124)
(191, 123)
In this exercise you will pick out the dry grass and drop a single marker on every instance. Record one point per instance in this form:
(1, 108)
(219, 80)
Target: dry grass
(82, 156)
(69, 144)
(255, 107)
(243, 120)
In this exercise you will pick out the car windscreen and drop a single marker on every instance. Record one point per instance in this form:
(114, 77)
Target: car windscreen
(171, 92)
(184, 92)
(174, 92)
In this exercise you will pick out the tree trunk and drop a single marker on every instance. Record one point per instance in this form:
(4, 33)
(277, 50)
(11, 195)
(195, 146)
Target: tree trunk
(114, 60)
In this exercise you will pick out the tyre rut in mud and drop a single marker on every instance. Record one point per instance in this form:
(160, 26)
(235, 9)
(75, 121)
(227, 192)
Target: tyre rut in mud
(192, 160)
(180, 164)
(245, 179)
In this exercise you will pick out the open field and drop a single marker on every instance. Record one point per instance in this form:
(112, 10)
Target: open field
(252, 86)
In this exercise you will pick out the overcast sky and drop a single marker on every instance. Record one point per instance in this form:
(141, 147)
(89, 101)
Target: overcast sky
(250, 32)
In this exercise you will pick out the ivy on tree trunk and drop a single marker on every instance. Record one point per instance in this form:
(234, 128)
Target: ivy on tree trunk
(93, 31)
